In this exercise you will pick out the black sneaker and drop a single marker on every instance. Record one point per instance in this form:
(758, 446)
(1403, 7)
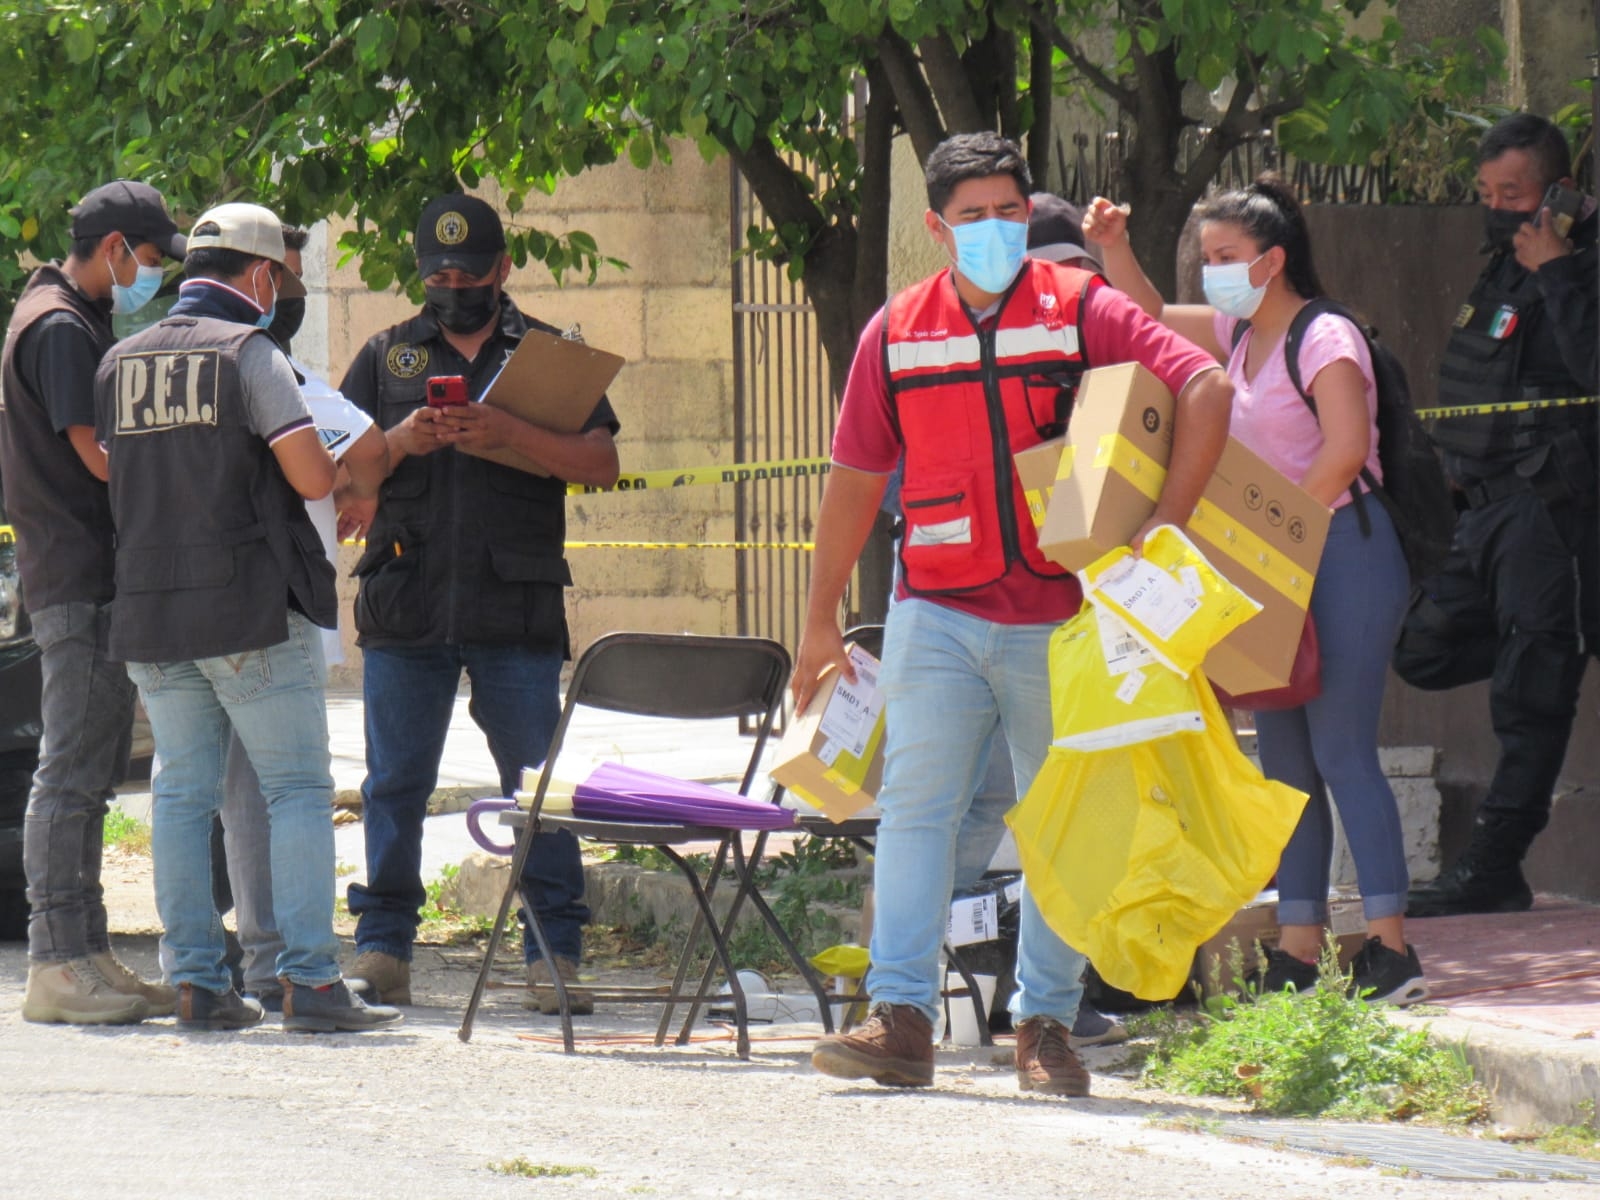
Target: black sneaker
(1471, 887)
(1385, 976)
(332, 1008)
(202, 1009)
(1284, 970)
(269, 996)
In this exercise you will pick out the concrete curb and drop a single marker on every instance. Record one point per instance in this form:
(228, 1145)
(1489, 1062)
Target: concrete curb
(1535, 1080)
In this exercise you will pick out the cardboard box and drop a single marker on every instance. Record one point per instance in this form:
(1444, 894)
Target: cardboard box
(1257, 922)
(1036, 472)
(1261, 531)
(832, 754)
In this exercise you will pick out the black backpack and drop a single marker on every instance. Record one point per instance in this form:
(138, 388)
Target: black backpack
(1414, 490)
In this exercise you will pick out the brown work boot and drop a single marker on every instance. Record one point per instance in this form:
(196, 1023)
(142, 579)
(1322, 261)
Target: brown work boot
(162, 998)
(542, 993)
(385, 978)
(75, 993)
(1045, 1061)
(894, 1047)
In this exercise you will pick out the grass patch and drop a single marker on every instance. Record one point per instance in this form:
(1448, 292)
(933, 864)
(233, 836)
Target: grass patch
(1321, 1054)
(1578, 1141)
(126, 832)
(445, 926)
(532, 1170)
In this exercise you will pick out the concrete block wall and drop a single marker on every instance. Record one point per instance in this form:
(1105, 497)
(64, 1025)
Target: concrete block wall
(669, 315)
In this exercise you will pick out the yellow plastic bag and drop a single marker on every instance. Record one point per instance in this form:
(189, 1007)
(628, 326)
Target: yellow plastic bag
(1172, 598)
(1107, 690)
(1136, 856)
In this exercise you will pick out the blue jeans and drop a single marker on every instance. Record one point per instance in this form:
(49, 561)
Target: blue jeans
(949, 680)
(273, 700)
(1331, 744)
(86, 707)
(409, 693)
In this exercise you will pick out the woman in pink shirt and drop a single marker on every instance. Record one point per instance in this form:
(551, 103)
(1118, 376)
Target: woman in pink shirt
(1259, 273)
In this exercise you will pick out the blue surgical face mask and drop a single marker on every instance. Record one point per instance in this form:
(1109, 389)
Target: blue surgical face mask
(990, 252)
(1229, 290)
(131, 298)
(264, 321)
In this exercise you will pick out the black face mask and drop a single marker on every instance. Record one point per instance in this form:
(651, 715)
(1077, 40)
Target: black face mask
(287, 318)
(463, 310)
(1500, 225)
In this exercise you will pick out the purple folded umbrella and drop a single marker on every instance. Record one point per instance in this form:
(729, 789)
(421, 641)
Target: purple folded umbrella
(614, 792)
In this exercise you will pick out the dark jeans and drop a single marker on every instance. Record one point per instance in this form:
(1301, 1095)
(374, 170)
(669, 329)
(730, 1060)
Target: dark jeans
(87, 711)
(1513, 604)
(409, 693)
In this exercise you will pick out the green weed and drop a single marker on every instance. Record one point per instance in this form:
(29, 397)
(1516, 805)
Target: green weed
(532, 1170)
(442, 926)
(126, 832)
(1320, 1054)
(1579, 1141)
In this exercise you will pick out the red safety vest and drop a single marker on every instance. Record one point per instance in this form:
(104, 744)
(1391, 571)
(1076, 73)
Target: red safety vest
(966, 400)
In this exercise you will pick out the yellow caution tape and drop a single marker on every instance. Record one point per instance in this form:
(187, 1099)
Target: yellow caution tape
(1253, 552)
(691, 545)
(1479, 410)
(7, 534)
(780, 468)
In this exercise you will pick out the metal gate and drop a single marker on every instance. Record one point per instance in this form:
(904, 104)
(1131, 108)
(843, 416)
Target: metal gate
(783, 409)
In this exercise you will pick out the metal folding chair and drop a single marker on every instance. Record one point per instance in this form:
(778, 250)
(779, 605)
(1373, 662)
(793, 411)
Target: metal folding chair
(679, 676)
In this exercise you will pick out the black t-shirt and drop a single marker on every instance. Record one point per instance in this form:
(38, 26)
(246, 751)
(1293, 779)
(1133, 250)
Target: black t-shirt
(61, 512)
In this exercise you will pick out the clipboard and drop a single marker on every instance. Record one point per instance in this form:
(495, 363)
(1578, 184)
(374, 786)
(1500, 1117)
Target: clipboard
(549, 381)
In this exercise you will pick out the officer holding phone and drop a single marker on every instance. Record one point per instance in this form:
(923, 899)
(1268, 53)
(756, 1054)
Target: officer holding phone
(464, 570)
(1516, 601)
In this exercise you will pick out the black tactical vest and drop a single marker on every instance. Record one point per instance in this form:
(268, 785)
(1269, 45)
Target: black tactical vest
(61, 512)
(1502, 351)
(212, 541)
(462, 549)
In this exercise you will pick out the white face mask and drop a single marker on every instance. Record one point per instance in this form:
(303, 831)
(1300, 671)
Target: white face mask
(1228, 288)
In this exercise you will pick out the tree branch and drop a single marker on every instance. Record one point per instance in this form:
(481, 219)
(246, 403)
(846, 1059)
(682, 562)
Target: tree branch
(948, 78)
(918, 110)
(776, 184)
(1043, 22)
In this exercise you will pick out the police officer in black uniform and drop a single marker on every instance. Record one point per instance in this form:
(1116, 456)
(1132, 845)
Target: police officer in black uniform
(464, 570)
(1516, 601)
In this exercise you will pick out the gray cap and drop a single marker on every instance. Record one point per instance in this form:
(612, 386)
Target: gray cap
(1055, 232)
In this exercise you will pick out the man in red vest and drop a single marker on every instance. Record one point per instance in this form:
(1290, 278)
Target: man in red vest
(956, 374)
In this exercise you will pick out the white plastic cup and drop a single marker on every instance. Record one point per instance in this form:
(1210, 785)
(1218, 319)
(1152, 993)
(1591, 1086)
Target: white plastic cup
(960, 1021)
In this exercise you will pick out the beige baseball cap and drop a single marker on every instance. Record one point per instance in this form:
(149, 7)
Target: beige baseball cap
(249, 229)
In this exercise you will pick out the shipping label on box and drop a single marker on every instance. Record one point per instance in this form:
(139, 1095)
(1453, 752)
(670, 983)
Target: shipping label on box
(973, 919)
(1259, 530)
(832, 754)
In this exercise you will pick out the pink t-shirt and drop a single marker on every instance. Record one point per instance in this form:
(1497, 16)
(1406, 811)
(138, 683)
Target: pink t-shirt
(1268, 414)
(1115, 330)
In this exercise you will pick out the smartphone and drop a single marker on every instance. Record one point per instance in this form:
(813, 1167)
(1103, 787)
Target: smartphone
(1564, 205)
(446, 391)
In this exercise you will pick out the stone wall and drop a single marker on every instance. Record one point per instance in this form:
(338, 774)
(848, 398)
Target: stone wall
(669, 315)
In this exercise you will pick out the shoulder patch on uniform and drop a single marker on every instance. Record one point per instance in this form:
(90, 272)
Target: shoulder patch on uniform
(407, 361)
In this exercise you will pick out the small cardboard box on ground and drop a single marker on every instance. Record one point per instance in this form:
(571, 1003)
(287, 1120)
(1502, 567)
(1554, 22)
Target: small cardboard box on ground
(832, 753)
(1258, 922)
(1261, 531)
(1036, 472)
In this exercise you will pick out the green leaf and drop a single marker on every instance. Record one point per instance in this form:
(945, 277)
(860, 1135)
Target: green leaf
(675, 52)
(79, 43)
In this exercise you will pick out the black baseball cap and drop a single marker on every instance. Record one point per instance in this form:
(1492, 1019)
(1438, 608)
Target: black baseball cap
(133, 209)
(459, 232)
(1055, 232)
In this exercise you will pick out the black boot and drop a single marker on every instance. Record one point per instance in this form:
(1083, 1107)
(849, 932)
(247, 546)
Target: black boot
(1475, 884)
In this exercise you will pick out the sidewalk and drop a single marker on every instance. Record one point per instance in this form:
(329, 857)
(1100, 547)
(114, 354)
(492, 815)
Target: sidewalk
(1520, 992)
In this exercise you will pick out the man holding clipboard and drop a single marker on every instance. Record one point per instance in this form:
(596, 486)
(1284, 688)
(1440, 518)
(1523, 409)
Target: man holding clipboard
(464, 570)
